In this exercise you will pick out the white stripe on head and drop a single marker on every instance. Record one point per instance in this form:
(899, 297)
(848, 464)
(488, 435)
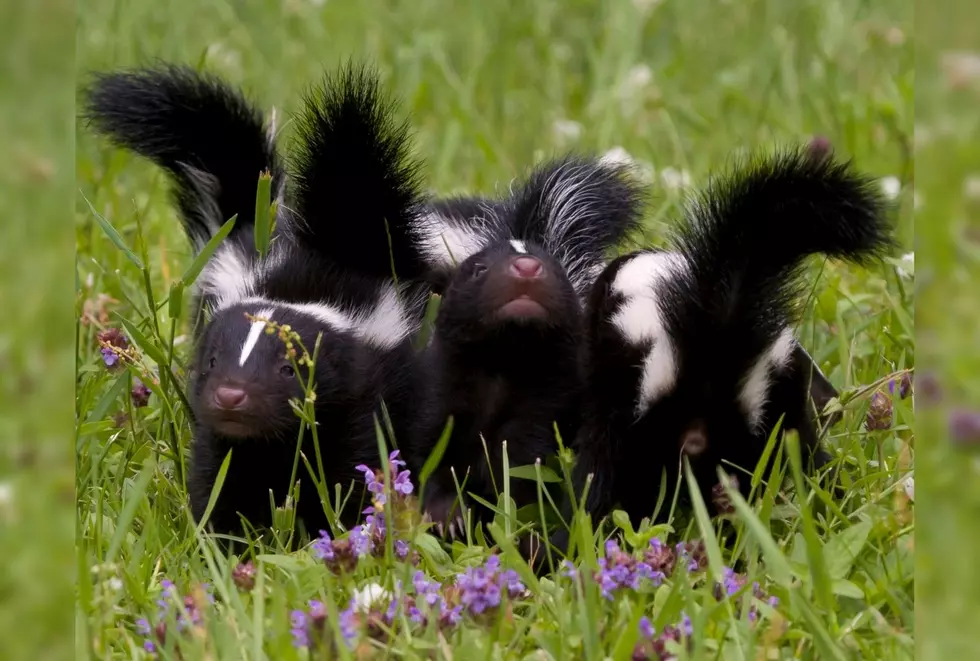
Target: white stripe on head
(445, 243)
(640, 320)
(519, 246)
(254, 333)
(755, 388)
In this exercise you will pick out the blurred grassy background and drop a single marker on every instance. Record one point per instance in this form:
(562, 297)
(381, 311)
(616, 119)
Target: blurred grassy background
(947, 234)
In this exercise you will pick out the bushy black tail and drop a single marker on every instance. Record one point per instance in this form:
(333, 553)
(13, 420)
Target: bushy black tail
(578, 208)
(749, 232)
(210, 139)
(357, 190)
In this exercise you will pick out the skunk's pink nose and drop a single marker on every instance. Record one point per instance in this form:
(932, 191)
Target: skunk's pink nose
(229, 398)
(527, 267)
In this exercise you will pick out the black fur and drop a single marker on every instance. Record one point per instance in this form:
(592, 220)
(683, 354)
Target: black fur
(725, 295)
(510, 369)
(315, 279)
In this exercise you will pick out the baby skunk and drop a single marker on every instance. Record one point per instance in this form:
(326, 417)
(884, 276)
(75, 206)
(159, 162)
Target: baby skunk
(505, 359)
(691, 351)
(329, 271)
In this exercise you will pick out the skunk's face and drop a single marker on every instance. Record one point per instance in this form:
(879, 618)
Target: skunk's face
(510, 285)
(677, 381)
(244, 379)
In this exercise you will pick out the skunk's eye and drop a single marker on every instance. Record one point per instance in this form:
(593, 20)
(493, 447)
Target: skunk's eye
(212, 362)
(287, 370)
(478, 270)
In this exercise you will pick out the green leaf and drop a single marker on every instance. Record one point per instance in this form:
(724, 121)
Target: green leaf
(776, 563)
(528, 472)
(215, 490)
(135, 499)
(263, 208)
(110, 396)
(144, 343)
(436, 455)
(844, 588)
(428, 320)
(843, 549)
(433, 553)
(715, 560)
(113, 235)
(194, 270)
(175, 298)
(290, 563)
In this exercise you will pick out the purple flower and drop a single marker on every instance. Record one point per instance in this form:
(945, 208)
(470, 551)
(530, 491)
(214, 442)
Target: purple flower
(773, 601)
(394, 461)
(731, 581)
(348, 624)
(374, 485)
(964, 426)
(568, 569)
(112, 342)
(402, 484)
(149, 646)
(425, 589)
(451, 616)
(143, 626)
(244, 576)
(686, 627)
(323, 547)
(646, 627)
(481, 587)
(297, 620)
(140, 394)
(401, 549)
(360, 539)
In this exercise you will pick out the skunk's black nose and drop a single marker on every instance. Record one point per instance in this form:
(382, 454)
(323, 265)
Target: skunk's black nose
(695, 440)
(527, 267)
(229, 398)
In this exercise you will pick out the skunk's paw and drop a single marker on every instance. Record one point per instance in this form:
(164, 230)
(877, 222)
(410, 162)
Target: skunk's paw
(447, 514)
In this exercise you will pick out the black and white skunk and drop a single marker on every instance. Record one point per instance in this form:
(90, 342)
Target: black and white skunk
(691, 351)
(505, 357)
(345, 221)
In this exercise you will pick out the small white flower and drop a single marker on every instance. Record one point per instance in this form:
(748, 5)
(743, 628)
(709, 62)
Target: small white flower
(909, 487)
(891, 187)
(644, 6)
(675, 179)
(639, 77)
(567, 129)
(617, 156)
(115, 584)
(971, 186)
(907, 266)
(368, 596)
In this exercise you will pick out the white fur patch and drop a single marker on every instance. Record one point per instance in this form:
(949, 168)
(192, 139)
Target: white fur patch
(227, 276)
(254, 333)
(640, 321)
(519, 246)
(445, 243)
(755, 387)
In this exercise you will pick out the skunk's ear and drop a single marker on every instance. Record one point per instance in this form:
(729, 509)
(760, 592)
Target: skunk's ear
(821, 390)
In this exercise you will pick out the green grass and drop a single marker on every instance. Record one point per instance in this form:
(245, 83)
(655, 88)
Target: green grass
(486, 85)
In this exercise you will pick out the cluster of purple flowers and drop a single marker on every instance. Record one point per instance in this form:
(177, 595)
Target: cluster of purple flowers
(620, 570)
(653, 646)
(481, 587)
(188, 614)
(369, 537)
(308, 625)
(113, 344)
(733, 582)
(478, 591)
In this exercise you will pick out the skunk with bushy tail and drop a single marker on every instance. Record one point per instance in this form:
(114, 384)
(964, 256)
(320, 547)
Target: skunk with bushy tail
(342, 263)
(691, 350)
(505, 357)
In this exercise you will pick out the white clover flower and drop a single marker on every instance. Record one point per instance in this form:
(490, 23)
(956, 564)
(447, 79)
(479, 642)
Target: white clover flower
(891, 187)
(617, 156)
(369, 595)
